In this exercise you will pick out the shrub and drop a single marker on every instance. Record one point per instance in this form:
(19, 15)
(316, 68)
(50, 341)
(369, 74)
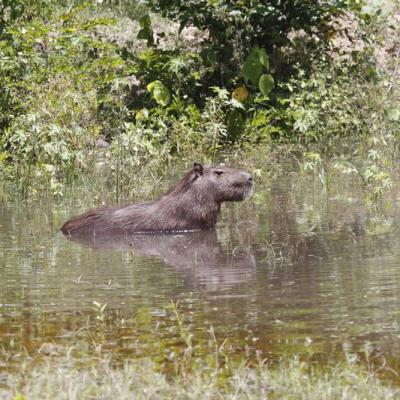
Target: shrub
(63, 87)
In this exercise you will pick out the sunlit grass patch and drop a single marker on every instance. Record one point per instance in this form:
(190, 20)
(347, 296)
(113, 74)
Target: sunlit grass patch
(97, 378)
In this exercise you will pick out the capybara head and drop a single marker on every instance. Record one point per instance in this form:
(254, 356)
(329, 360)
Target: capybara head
(219, 183)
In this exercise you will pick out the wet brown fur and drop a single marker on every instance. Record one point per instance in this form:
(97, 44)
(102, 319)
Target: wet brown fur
(193, 203)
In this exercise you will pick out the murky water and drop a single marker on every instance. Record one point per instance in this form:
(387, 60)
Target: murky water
(294, 270)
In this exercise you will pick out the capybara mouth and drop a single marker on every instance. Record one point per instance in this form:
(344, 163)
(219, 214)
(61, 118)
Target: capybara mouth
(243, 190)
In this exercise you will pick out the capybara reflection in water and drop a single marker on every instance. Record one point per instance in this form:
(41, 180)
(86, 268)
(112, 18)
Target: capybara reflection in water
(192, 204)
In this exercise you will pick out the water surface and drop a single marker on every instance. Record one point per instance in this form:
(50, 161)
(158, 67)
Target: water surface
(297, 269)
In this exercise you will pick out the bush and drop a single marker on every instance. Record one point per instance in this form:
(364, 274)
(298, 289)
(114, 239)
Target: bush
(63, 87)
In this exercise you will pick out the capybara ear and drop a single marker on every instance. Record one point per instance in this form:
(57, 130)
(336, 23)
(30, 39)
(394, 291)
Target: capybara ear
(198, 169)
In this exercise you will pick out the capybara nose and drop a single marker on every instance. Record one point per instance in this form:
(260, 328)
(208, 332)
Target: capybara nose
(247, 176)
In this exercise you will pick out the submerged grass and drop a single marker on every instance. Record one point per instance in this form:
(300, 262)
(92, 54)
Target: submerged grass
(205, 369)
(98, 379)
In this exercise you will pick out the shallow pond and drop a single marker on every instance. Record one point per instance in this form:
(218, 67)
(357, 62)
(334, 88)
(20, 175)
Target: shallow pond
(297, 269)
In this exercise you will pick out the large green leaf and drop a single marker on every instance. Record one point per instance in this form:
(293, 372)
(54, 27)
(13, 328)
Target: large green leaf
(266, 83)
(255, 63)
(159, 92)
(252, 67)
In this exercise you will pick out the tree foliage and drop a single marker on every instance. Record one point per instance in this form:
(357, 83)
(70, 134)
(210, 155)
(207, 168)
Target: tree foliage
(235, 27)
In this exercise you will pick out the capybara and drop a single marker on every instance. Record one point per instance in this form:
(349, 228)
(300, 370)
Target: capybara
(192, 204)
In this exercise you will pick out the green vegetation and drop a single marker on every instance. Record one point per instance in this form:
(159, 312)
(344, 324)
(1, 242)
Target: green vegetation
(68, 379)
(323, 76)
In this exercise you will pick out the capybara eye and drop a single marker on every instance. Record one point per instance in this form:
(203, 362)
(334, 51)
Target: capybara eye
(219, 172)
